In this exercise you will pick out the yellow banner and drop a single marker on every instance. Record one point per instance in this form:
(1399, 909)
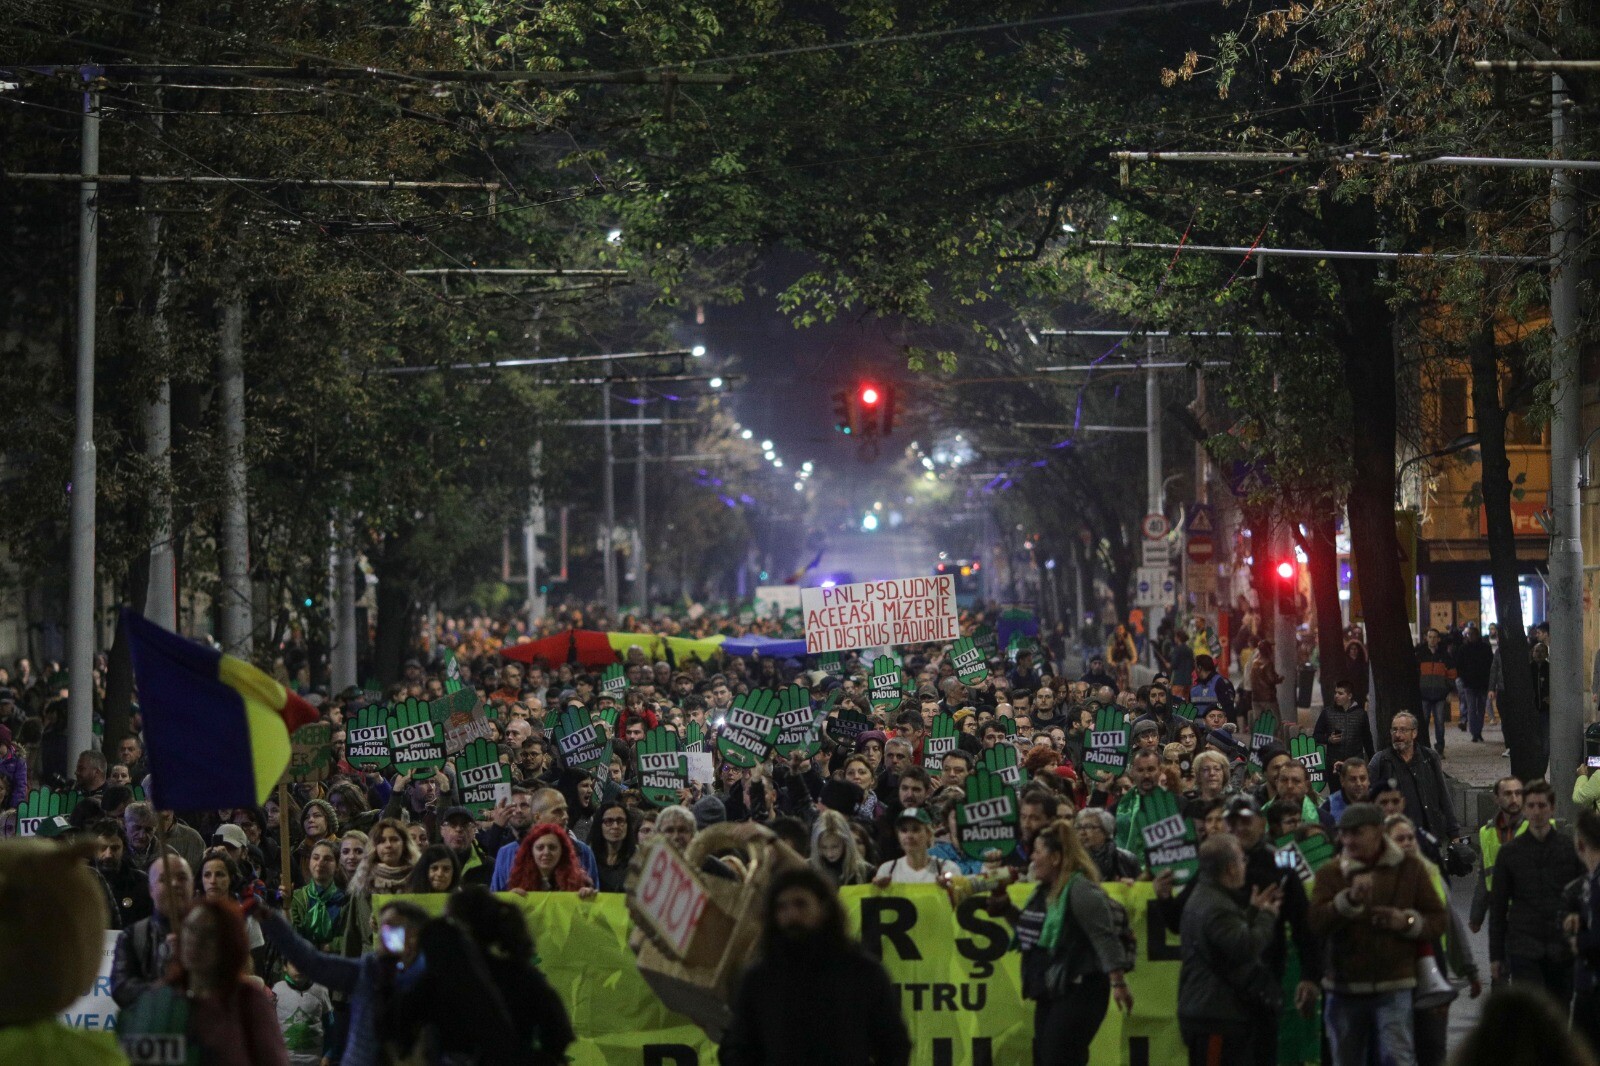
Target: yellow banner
(959, 983)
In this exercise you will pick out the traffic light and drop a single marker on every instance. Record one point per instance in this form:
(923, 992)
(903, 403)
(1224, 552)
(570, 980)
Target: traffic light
(1286, 579)
(876, 406)
(843, 422)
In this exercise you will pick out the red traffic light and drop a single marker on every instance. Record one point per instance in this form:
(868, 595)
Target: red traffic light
(870, 395)
(1286, 570)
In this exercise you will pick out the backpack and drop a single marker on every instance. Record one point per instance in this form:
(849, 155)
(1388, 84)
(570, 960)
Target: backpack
(1124, 930)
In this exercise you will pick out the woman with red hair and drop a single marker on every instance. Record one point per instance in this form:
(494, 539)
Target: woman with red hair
(547, 862)
(231, 1018)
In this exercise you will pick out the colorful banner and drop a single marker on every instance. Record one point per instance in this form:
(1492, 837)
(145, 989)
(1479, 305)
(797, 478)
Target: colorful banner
(875, 614)
(958, 980)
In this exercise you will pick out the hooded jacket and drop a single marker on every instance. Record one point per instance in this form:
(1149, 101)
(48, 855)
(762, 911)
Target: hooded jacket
(1361, 958)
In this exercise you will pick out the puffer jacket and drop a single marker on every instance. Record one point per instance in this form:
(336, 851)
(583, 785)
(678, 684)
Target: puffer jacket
(1221, 939)
(1355, 734)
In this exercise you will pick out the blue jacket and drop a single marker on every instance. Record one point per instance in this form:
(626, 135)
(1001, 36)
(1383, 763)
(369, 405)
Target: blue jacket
(356, 978)
(504, 857)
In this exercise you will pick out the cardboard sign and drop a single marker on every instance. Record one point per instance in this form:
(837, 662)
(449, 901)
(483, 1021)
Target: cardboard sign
(310, 752)
(694, 738)
(701, 767)
(482, 778)
(614, 681)
(846, 726)
(670, 899)
(887, 687)
(1264, 734)
(830, 665)
(461, 715)
(799, 727)
(986, 640)
(452, 674)
(968, 660)
(580, 741)
(42, 805)
(1001, 760)
(96, 1011)
(875, 614)
(1314, 757)
(1107, 749)
(750, 728)
(415, 740)
(662, 769)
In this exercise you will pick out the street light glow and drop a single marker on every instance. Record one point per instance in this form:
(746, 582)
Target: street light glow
(715, 383)
(766, 445)
(769, 455)
(746, 435)
(869, 522)
(698, 350)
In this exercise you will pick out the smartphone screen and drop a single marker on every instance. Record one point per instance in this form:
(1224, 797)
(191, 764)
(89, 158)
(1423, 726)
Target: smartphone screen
(1284, 859)
(394, 938)
(1594, 762)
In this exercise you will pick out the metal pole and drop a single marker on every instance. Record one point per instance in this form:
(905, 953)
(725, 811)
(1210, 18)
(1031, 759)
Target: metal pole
(161, 593)
(1565, 612)
(1152, 478)
(343, 668)
(1493, 162)
(234, 550)
(641, 576)
(610, 517)
(1283, 636)
(81, 569)
(531, 532)
(1314, 253)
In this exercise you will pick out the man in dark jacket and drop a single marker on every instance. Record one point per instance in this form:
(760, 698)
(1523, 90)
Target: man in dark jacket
(1343, 728)
(1474, 660)
(1526, 941)
(129, 885)
(813, 996)
(1223, 941)
(142, 952)
(1420, 776)
(1437, 674)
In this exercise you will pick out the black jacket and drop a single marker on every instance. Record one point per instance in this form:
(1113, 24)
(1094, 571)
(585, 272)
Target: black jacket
(1473, 660)
(1221, 940)
(1422, 783)
(140, 959)
(1353, 726)
(841, 1011)
(1525, 903)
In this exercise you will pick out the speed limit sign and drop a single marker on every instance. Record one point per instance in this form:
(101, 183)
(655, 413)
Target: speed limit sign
(1155, 526)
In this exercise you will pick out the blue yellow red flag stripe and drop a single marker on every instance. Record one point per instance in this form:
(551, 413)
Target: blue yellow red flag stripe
(216, 728)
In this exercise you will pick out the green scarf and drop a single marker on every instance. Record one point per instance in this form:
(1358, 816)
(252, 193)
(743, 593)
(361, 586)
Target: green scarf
(1056, 916)
(319, 919)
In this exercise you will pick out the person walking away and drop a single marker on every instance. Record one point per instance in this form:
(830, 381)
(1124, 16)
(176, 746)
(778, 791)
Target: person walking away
(1531, 872)
(1437, 679)
(1073, 962)
(812, 995)
(1223, 987)
(1474, 659)
(1492, 836)
(1585, 930)
(1372, 905)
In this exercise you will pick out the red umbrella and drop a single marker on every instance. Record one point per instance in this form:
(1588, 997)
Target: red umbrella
(589, 647)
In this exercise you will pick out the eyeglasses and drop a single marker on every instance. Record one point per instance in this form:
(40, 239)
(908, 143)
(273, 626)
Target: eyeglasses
(613, 821)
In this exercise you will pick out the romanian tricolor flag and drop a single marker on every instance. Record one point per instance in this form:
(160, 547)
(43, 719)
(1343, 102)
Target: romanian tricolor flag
(796, 577)
(216, 729)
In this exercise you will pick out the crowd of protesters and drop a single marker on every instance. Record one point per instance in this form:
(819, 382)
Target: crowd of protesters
(1264, 950)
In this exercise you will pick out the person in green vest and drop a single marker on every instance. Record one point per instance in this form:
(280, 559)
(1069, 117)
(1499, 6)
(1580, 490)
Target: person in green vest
(1506, 823)
(458, 831)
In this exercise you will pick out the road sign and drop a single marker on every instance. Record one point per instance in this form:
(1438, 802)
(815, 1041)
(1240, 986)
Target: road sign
(1155, 553)
(1199, 549)
(1155, 526)
(1201, 520)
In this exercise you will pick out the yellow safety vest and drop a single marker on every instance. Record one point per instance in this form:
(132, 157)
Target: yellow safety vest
(1489, 843)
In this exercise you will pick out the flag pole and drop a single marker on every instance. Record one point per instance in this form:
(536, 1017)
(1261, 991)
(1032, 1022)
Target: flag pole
(173, 909)
(286, 879)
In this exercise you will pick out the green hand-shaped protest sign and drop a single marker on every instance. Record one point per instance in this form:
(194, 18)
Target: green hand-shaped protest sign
(37, 815)
(968, 660)
(941, 741)
(1264, 734)
(1107, 749)
(987, 641)
(885, 688)
(366, 738)
(1170, 842)
(608, 716)
(751, 728)
(613, 681)
(452, 674)
(1315, 851)
(483, 777)
(847, 725)
(1314, 757)
(987, 816)
(1001, 760)
(1185, 711)
(694, 738)
(830, 665)
(663, 771)
(1008, 725)
(798, 723)
(579, 740)
(416, 741)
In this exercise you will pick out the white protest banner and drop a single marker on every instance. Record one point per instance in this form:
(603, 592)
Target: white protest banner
(870, 614)
(96, 1010)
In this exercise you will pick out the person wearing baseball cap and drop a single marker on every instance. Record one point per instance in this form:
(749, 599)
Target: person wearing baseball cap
(914, 829)
(458, 831)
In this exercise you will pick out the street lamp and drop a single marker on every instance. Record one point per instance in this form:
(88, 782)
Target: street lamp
(715, 383)
(698, 350)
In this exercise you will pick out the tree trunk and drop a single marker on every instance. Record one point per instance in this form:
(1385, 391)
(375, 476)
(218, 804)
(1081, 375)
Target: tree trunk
(1523, 730)
(1259, 521)
(1323, 568)
(1367, 348)
(396, 613)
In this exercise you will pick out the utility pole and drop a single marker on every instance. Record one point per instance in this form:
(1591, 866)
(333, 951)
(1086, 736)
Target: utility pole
(342, 666)
(610, 517)
(532, 530)
(1152, 479)
(1566, 435)
(81, 624)
(641, 575)
(236, 622)
(161, 590)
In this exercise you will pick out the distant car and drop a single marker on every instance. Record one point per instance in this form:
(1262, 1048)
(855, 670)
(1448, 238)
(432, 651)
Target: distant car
(968, 582)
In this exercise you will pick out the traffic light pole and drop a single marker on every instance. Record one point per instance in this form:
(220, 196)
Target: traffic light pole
(610, 490)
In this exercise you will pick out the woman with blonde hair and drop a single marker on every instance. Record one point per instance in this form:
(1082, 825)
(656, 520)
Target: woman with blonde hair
(834, 852)
(1072, 959)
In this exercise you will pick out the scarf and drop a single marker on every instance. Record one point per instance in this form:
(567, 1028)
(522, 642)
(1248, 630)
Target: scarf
(1055, 917)
(322, 907)
(387, 880)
